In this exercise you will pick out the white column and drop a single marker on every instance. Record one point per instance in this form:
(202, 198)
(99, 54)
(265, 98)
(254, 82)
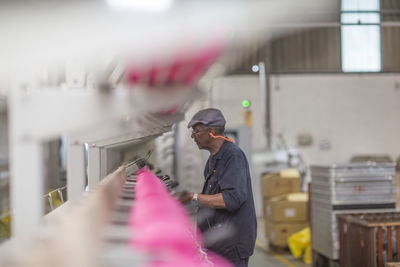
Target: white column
(103, 163)
(26, 169)
(26, 186)
(76, 178)
(93, 166)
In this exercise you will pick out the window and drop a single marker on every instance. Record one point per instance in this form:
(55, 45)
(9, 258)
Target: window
(360, 33)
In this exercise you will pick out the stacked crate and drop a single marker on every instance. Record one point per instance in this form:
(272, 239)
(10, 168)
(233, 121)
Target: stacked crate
(285, 209)
(369, 239)
(346, 188)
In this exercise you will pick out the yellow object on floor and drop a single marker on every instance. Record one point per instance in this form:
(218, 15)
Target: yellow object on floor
(308, 255)
(5, 225)
(299, 243)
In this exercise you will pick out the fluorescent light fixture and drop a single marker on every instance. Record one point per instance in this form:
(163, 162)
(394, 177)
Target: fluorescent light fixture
(141, 5)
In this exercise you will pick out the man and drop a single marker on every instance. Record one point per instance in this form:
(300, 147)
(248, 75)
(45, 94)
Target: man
(226, 191)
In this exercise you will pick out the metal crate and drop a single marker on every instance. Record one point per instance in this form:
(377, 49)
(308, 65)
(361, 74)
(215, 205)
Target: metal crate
(353, 184)
(325, 230)
(343, 189)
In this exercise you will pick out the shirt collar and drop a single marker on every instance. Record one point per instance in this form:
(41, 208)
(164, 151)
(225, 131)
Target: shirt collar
(221, 150)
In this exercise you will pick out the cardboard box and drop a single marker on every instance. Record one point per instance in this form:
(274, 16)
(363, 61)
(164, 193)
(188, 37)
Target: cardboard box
(264, 206)
(278, 233)
(287, 208)
(275, 184)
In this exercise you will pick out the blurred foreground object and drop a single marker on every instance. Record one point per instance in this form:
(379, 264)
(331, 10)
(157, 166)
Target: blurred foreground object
(90, 30)
(162, 227)
(72, 235)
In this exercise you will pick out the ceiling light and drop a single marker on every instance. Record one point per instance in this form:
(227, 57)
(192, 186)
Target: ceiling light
(255, 68)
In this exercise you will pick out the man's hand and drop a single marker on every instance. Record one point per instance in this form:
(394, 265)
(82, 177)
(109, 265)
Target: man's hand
(185, 197)
(215, 201)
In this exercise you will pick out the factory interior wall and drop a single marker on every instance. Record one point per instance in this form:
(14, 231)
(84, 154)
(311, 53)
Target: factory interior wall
(190, 159)
(344, 114)
(340, 115)
(228, 93)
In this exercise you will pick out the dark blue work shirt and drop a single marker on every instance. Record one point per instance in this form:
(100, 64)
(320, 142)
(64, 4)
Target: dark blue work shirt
(227, 172)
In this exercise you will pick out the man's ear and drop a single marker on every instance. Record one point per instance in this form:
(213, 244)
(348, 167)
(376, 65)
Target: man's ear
(211, 132)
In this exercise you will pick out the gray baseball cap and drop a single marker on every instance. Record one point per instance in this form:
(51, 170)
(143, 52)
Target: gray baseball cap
(209, 117)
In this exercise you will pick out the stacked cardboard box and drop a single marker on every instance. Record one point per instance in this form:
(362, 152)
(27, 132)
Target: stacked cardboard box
(281, 183)
(284, 182)
(284, 216)
(285, 209)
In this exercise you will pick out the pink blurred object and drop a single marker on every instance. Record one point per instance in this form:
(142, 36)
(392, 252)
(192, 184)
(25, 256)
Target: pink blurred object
(183, 70)
(162, 227)
(172, 111)
(133, 76)
(202, 63)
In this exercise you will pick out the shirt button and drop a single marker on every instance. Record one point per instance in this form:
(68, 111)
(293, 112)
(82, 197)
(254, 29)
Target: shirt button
(210, 186)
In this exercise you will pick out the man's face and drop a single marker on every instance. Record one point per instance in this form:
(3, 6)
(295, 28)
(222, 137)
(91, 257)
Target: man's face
(201, 136)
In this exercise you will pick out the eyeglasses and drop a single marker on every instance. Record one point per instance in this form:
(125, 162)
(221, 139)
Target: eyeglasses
(199, 131)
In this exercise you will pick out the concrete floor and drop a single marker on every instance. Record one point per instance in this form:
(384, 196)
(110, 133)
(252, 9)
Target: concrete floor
(264, 257)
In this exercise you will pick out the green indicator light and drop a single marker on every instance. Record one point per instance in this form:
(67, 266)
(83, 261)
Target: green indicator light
(245, 103)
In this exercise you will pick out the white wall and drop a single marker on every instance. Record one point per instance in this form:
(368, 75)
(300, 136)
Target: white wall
(191, 160)
(354, 114)
(351, 113)
(227, 94)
